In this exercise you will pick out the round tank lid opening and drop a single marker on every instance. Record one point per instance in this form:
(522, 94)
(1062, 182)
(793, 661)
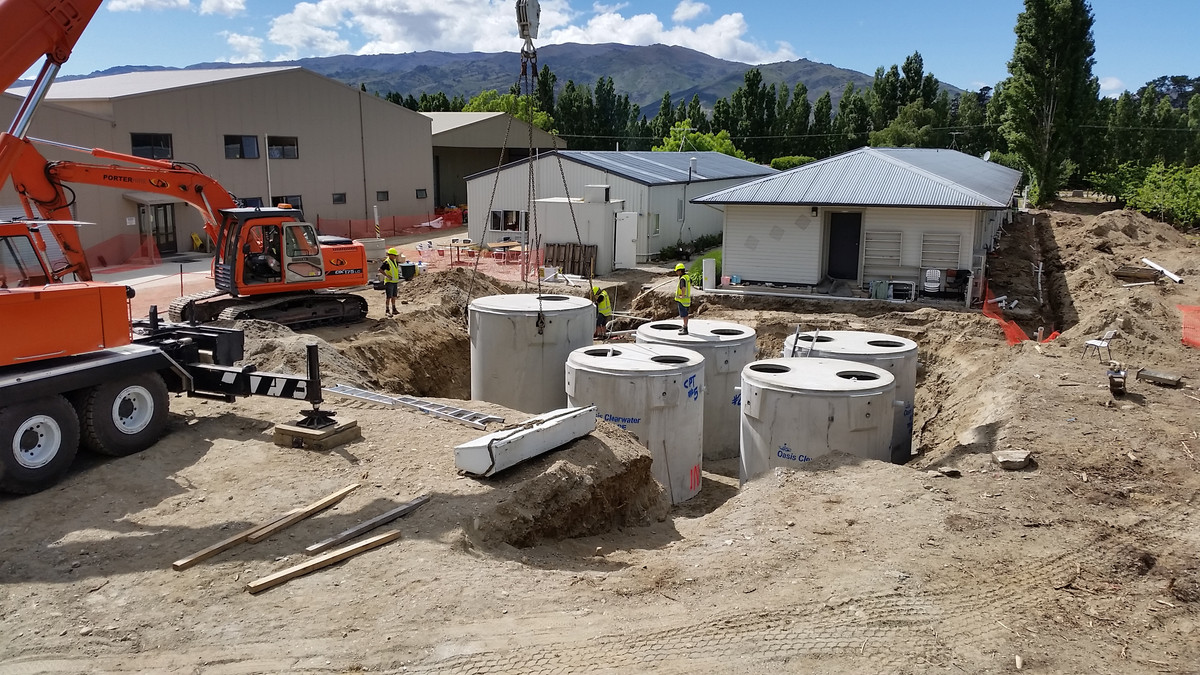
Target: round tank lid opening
(727, 331)
(553, 298)
(666, 326)
(769, 368)
(857, 375)
(669, 358)
(603, 352)
(885, 343)
(819, 338)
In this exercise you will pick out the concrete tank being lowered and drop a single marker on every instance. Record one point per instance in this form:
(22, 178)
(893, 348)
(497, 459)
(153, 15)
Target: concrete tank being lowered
(894, 354)
(656, 392)
(519, 345)
(726, 348)
(795, 410)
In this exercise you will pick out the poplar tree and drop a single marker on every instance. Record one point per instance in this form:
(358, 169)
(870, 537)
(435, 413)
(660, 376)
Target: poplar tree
(1050, 91)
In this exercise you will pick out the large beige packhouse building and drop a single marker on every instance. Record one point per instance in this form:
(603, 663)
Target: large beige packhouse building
(269, 135)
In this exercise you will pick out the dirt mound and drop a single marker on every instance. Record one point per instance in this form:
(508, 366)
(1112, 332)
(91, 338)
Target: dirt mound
(274, 348)
(594, 485)
(422, 353)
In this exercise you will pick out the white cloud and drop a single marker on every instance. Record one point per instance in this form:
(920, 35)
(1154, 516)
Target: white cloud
(246, 48)
(224, 7)
(687, 10)
(139, 5)
(327, 27)
(1111, 85)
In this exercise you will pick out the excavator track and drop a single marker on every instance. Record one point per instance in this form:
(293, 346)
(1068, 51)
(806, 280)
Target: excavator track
(180, 312)
(300, 310)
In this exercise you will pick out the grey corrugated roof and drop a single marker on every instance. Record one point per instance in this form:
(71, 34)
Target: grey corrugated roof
(660, 168)
(132, 84)
(905, 177)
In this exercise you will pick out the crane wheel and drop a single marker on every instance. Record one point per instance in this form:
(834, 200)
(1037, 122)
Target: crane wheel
(38, 442)
(124, 416)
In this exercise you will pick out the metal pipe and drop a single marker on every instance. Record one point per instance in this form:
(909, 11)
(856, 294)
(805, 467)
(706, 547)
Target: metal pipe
(801, 296)
(37, 93)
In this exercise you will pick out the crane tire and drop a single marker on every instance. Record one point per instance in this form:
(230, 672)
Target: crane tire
(124, 416)
(38, 442)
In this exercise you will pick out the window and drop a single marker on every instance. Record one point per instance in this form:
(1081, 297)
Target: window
(151, 146)
(19, 264)
(655, 228)
(679, 210)
(883, 249)
(422, 193)
(508, 221)
(283, 147)
(381, 196)
(241, 147)
(252, 202)
(339, 198)
(940, 251)
(293, 200)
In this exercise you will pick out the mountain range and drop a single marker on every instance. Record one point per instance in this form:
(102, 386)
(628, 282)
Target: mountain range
(645, 73)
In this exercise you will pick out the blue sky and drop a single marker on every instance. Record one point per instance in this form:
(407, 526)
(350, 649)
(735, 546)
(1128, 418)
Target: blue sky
(966, 43)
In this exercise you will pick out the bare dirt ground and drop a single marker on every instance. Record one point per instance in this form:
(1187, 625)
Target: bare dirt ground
(1087, 560)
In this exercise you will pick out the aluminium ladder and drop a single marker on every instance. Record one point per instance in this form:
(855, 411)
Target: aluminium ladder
(470, 418)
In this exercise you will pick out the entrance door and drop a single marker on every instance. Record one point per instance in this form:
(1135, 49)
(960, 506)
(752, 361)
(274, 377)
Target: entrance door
(626, 245)
(845, 232)
(158, 221)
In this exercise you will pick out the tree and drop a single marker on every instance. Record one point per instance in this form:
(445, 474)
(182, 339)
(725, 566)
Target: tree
(1193, 125)
(912, 128)
(682, 136)
(545, 90)
(795, 121)
(520, 107)
(821, 129)
(853, 121)
(1050, 90)
(695, 113)
(971, 121)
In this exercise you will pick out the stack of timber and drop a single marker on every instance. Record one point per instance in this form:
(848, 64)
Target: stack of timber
(576, 259)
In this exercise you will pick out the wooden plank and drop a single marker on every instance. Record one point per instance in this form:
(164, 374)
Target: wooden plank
(367, 526)
(314, 434)
(323, 560)
(303, 513)
(340, 435)
(184, 563)
(1165, 379)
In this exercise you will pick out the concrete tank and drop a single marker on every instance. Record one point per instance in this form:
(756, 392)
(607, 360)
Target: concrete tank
(795, 410)
(515, 362)
(656, 392)
(894, 354)
(726, 348)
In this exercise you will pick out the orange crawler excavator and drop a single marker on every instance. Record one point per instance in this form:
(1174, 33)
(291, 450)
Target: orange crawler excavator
(269, 263)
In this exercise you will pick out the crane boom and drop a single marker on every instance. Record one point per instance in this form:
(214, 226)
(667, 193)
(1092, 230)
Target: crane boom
(31, 29)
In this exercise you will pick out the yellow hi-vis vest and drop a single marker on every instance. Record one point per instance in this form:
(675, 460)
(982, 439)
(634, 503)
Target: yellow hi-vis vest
(392, 275)
(604, 306)
(683, 292)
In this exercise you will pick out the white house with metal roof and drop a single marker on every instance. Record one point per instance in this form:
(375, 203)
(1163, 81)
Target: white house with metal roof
(872, 214)
(466, 143)
(267, 134)
(654, 186)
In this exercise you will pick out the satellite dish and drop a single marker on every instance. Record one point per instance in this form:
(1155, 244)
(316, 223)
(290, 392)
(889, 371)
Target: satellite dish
(987, 155)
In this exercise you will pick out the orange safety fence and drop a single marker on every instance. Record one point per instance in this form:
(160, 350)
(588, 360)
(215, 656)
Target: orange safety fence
(991, 309)
(390, 226)
(1191, 324)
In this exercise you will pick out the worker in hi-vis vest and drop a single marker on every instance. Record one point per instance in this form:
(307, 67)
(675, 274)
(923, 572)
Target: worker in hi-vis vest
(603, 312)
(390, 269)
(683, 295)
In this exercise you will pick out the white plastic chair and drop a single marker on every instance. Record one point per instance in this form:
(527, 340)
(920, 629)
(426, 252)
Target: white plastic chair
(1100, 343)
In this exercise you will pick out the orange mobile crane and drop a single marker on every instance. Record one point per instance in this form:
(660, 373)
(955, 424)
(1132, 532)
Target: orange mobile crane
(73, 368)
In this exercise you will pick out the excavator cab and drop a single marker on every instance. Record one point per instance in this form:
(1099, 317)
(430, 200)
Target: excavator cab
(267, 251)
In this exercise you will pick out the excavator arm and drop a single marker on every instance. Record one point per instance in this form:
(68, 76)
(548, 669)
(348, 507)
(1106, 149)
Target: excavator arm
(40, 185)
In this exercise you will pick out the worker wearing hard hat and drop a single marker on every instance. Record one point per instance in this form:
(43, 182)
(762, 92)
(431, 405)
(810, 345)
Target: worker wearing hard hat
(683, 295)
(390, 271)
(603, 312)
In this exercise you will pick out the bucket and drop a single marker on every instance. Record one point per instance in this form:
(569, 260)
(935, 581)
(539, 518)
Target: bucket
(735, 279)
(408, 271)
